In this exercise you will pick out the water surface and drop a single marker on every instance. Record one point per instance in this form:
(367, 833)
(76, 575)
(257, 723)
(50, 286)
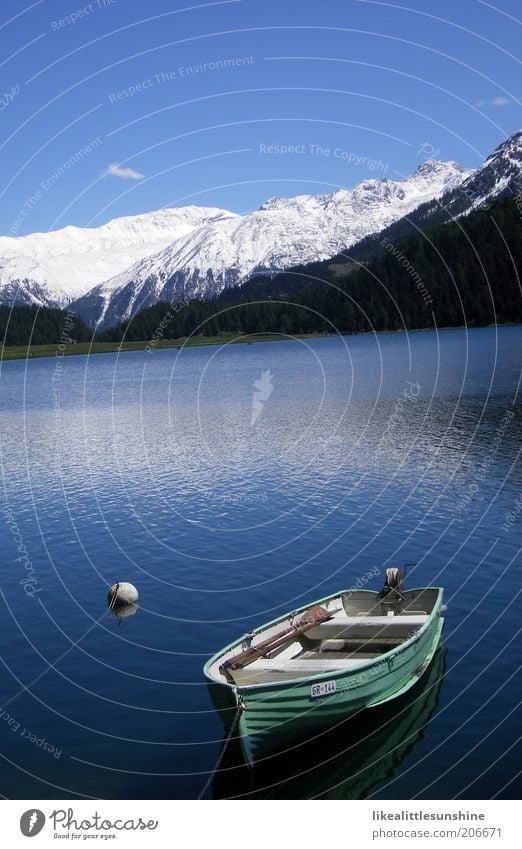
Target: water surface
(359, 452)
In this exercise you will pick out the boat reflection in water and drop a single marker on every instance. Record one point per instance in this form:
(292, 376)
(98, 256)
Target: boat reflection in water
(349, 761)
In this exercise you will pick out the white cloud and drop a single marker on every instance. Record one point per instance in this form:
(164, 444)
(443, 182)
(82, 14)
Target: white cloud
(500, 100)
(116, 170)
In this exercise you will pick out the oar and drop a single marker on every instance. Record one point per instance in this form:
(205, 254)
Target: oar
(313, 616)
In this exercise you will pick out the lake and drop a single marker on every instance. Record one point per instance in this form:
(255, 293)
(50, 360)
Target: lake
(231, 484)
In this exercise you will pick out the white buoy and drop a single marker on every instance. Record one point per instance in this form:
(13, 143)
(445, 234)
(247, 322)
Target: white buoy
(122, 593)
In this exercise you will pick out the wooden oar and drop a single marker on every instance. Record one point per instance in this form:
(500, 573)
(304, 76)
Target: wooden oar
(314, 616)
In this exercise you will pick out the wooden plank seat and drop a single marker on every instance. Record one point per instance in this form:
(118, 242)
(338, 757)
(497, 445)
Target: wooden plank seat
(366, 627)
(264, 670)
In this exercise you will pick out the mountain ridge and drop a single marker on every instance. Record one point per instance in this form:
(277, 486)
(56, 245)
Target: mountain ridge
(62, 264)
(281, 233)
(197, 252)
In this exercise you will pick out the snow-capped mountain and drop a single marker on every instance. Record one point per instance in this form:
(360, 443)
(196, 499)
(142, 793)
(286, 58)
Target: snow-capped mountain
(54, 268)
(108, 273)
(283, 232)
(499, 175)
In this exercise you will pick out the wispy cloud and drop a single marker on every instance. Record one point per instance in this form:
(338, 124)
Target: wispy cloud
(116, 170)
(500, 100)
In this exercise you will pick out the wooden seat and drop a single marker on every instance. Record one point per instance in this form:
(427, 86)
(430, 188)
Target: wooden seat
(366, 627)
(263, 670)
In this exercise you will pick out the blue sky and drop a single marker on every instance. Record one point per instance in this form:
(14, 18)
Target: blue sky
(116, 107)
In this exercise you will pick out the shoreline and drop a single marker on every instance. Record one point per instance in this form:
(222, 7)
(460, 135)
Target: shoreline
(21, 352)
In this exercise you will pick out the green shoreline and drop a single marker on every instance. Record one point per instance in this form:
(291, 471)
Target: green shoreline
(22, 352)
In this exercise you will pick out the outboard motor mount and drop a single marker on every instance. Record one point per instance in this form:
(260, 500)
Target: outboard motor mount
(392, 589)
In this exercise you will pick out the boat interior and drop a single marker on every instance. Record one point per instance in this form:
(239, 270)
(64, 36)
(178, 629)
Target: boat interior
(343, 632)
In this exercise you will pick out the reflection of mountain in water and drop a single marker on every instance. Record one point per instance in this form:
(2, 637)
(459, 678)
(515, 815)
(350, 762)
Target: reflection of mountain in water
(347, 762)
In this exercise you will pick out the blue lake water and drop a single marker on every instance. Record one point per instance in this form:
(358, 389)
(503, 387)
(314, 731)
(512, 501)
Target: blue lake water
(231, 484)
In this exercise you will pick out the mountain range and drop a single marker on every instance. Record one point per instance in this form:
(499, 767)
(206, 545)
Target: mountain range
(107, 274)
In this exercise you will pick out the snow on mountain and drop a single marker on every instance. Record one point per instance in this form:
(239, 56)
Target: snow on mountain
(284, 232)
(109, 273)
(500, 174)
(53, 268)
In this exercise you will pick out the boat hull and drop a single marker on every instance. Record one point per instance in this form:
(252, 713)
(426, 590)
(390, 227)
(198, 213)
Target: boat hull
(271, 719)
(274, 715)
(348, 760)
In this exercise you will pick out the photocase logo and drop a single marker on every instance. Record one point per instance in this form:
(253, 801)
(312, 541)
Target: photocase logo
(262, 391)
(32, 822)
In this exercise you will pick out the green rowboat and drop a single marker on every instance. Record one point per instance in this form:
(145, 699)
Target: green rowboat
(349, 760)
(352, 650)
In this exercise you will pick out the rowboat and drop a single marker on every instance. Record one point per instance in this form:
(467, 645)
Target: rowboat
(353, 650)
(349, 760)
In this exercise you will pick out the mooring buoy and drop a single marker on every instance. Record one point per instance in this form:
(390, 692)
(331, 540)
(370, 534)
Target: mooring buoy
(121, 594)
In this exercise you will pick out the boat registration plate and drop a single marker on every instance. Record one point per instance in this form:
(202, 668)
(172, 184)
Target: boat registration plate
(323, 689)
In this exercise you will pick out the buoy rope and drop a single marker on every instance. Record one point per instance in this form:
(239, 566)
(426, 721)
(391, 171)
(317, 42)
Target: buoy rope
(223, 750)
(114, 595)
(26, 688)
